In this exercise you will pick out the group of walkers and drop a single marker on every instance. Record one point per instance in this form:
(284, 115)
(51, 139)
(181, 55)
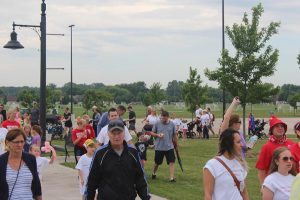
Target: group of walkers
(111, 165)
(224, 176)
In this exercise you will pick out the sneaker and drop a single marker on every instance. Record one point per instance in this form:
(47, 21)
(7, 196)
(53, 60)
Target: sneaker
(153, 176)
(172, 180)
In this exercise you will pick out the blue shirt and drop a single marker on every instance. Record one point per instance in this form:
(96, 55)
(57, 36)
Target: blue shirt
(102, 122)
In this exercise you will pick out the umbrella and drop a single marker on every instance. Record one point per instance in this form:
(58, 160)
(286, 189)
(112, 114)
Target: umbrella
(179, 159)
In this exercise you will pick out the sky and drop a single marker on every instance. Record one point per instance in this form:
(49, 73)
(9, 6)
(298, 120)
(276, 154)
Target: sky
(124, 41)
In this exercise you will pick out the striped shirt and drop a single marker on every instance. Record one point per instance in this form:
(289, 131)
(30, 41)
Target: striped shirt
(22, 188)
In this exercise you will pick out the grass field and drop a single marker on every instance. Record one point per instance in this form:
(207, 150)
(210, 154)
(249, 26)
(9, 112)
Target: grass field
(259, 110)
(189, 186)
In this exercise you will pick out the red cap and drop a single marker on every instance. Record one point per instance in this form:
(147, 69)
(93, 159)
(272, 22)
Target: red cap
(274, 121)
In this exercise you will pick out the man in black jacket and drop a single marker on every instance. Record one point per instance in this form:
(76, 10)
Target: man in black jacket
(116, 170)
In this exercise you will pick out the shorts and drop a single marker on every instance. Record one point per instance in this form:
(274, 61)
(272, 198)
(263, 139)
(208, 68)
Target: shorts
(79, 151)
(131, 127)
(159, 156)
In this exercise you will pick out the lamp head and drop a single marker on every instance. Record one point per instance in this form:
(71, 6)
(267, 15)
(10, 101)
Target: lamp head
(13, 43)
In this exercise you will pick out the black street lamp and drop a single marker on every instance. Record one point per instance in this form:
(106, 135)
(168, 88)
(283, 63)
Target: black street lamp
(71, 101)
(14, 44)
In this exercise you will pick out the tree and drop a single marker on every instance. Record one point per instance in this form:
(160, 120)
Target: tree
(155, 93)
(252, 61)
(97, 98)
(286, 90)
(26, 97)
(137, 90)
(298, 59)
(119, 95)
(265, 93)
(173, 91)
(53, 95)
(193, 93)
(293, 99)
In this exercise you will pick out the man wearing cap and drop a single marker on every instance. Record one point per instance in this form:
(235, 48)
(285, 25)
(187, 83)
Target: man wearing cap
(103, 137)
(277, 139)
(116, 170)
(165, 142)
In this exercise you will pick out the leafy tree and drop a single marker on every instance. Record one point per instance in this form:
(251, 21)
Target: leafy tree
(293, 99)
(173, 91)
(98, 98)
(298, 59)
(193, 93)
(252, 61)
(155, 93)
(286, 90)
(53, 95)
(119, 94)
(26, 97)
(265, 92)
(216, 95)
(137, 90)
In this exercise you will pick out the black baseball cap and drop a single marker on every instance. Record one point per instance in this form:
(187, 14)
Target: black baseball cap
(116, 124)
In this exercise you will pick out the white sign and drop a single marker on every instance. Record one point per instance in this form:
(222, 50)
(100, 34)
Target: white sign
(297, 104)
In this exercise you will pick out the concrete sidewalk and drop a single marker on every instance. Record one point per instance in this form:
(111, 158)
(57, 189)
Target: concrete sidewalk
(61, 183)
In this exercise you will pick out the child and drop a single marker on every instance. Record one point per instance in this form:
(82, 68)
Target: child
(141, 145)
(28, 142)
(36, 133)
(83, 165)
(89, 127)
(184, 128)
(79, 136)
(41, 162)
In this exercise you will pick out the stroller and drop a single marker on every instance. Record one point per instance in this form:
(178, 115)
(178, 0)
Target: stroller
(54, 126)
(190, 130)
(259, 129)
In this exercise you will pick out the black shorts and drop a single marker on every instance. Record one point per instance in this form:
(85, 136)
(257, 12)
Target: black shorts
(159, 156)
(79, 151)
(131, 127)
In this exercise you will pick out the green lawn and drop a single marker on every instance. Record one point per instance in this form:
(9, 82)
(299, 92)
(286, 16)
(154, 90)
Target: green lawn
(189, 186)
(259, 110)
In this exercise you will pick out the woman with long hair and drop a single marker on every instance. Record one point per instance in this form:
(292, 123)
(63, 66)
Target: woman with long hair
(277, 185)
(224, 175)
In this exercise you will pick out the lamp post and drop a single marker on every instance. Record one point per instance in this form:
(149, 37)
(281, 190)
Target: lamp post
(71, 27)
(14, 44)
(223, 48)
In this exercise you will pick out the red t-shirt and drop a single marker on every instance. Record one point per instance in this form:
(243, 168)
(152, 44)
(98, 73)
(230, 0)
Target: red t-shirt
(75, 134)
(90, 131)
(10, 124)
(295, 149)
(266, 153)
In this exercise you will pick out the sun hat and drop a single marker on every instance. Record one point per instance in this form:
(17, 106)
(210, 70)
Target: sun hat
(274, 121)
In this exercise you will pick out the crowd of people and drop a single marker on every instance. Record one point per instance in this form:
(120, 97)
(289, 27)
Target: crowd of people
(110, 161)
(224, 176)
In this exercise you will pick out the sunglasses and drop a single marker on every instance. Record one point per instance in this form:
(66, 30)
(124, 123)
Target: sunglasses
(287, 158)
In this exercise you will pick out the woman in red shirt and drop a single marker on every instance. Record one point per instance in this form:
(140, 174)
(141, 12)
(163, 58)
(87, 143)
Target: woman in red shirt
(295, 149)
(79, 136)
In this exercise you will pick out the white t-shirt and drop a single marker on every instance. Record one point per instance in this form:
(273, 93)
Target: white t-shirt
(198, 112)
(104, 139)
(280, 185)
(225, 187)
(152, 119)
(41, 163)
(205, 119)
(177, 123)
(3, 132)
(83, 165)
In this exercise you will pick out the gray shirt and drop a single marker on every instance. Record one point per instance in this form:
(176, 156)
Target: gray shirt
(169, 131)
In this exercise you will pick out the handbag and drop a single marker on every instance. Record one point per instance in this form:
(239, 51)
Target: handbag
(236, 181)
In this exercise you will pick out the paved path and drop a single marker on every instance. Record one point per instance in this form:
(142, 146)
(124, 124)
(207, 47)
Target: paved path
(61, 183)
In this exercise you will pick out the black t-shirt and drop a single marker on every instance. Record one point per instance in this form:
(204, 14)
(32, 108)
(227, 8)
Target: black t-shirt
(142, 149)
(68, 123)
(131, 116)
